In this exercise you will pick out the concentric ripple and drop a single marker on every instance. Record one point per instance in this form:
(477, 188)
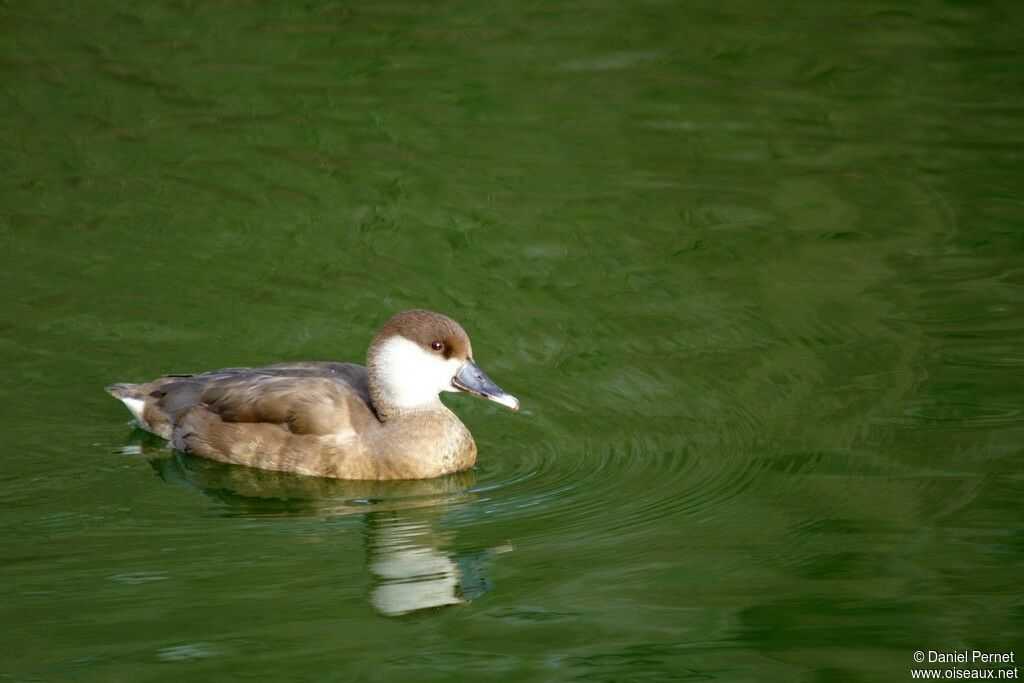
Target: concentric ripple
(644, 476)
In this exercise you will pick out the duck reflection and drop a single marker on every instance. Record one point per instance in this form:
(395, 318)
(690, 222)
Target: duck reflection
(411, 571)
(403, 530)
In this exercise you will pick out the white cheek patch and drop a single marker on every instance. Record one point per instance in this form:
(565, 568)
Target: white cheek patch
(411, 375)
(451, 368)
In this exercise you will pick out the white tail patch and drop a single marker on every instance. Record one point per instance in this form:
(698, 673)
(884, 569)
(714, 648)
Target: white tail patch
(136, 406)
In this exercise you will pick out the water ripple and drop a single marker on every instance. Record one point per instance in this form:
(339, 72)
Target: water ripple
(651, 479)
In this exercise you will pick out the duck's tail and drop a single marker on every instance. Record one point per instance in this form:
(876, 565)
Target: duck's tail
(132, 397)
(123, 390)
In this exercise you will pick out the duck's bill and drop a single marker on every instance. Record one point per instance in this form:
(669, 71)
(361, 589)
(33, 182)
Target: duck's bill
(474, 380)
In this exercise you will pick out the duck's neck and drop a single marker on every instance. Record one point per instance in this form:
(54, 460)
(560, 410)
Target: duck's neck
(389, 411)
(391, 402)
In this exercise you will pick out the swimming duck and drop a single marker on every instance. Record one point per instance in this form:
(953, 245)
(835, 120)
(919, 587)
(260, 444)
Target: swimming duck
(382, 421)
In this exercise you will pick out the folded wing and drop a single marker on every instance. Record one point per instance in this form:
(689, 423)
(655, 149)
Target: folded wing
(304, 398)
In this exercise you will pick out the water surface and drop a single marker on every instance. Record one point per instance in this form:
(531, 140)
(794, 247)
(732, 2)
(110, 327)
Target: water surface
(755, 274)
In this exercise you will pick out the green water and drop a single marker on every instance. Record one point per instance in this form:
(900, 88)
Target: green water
(756, 274)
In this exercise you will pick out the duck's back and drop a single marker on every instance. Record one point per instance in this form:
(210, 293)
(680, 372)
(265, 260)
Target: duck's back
(301, 397)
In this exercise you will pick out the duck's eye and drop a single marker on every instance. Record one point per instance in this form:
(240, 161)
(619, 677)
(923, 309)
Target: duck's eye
(437, 345)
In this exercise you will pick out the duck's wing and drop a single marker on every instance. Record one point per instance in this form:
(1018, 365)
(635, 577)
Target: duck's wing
(304, 418)
(302, 397)
(308, 418)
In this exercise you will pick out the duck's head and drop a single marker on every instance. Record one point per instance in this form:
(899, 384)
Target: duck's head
(418, 354)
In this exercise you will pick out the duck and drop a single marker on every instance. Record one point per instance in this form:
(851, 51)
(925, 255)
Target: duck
(381, 421)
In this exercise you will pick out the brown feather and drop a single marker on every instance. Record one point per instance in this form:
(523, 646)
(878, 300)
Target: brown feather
(313, 418)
